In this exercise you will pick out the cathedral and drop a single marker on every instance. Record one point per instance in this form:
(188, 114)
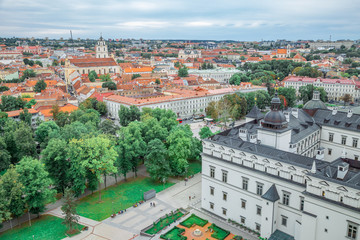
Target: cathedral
(101, 64)
(291, 174)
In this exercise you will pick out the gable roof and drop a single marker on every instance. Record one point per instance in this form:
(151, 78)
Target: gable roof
(93, 62)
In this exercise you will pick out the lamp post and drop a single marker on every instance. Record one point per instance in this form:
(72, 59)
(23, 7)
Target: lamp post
(27, 205)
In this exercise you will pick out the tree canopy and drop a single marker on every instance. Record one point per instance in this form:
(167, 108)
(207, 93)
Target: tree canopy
(40, 85)
(183, 72)
(127, 115)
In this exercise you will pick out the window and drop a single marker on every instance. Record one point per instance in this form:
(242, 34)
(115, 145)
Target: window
(331, 137)
(242, 220)
(302, 203)
(329, 151)
(286, 198)
(259, 189)
(258, 210)
(224, 210)
(243, 203)
(356, 157)
(224, 176)
(284, 221)
(343, 140)
(211, 191)
(245, 183)
(257, 227)
(352, 230)
(212, 172)
(355, 142)
(224, 196)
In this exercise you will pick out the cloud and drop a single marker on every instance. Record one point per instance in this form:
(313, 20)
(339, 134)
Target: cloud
(143, 24)
(229, 19)
(199, 24)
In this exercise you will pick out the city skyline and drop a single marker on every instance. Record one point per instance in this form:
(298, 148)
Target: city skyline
(227, 20)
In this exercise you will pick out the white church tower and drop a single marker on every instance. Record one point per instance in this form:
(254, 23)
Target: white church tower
(101, 49)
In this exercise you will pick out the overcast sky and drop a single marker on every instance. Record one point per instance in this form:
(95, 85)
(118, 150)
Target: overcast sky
(182, 19)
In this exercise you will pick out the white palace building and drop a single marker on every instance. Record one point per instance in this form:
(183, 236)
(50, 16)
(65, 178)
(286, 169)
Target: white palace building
(288, 175)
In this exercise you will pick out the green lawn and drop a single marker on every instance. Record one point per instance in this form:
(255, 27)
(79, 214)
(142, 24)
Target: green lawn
(194, 167)
(219, 233)
(46, 227)
(118, 197)
(193, 219)
(166, 221)
(174, 234)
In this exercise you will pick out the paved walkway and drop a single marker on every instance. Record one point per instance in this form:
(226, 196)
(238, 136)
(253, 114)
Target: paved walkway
(129, 224)
(110, 180)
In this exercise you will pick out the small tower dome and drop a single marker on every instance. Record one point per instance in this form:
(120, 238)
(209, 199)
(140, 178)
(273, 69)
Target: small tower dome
(275, 119)
(313, 105)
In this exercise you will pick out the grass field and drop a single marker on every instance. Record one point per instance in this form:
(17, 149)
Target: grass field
(194, 167)
(193, 219)
(164, 222)
(174, 234)
(46, 227)
(219, 233)
(117, 197)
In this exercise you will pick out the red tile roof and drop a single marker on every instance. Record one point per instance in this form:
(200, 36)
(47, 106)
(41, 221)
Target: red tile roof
(17, 112)
(93, 62)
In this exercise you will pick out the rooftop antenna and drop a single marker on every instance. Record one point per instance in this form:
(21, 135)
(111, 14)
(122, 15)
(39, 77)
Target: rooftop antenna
(72, 41)
(330, 37)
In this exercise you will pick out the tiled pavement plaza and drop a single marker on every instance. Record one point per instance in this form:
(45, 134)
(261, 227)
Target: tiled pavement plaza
(129, 224)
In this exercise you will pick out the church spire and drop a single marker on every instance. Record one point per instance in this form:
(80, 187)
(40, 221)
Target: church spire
(101, 48)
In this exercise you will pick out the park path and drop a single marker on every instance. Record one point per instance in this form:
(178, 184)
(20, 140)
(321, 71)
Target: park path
(129, 224)
(110, 180)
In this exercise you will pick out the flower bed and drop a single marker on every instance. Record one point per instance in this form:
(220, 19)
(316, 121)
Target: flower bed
(174, 234)
(193, 219)
(219, 233)
(244, 227)
(164, 222)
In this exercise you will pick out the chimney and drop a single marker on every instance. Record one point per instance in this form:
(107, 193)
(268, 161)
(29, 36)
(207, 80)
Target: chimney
(287, 116)
(350, 113)
(343, 168)
(295, 112)
(343, 153)
(313, 168)
(334, 111)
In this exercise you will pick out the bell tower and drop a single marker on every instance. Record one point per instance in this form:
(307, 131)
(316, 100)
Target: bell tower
(101, 49)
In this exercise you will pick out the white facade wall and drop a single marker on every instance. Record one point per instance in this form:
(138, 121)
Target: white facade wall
(183, 107)
(335, 91)
(324, 214)
(220, 75)
(275, 139)
(334, 148)
(235, 193)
